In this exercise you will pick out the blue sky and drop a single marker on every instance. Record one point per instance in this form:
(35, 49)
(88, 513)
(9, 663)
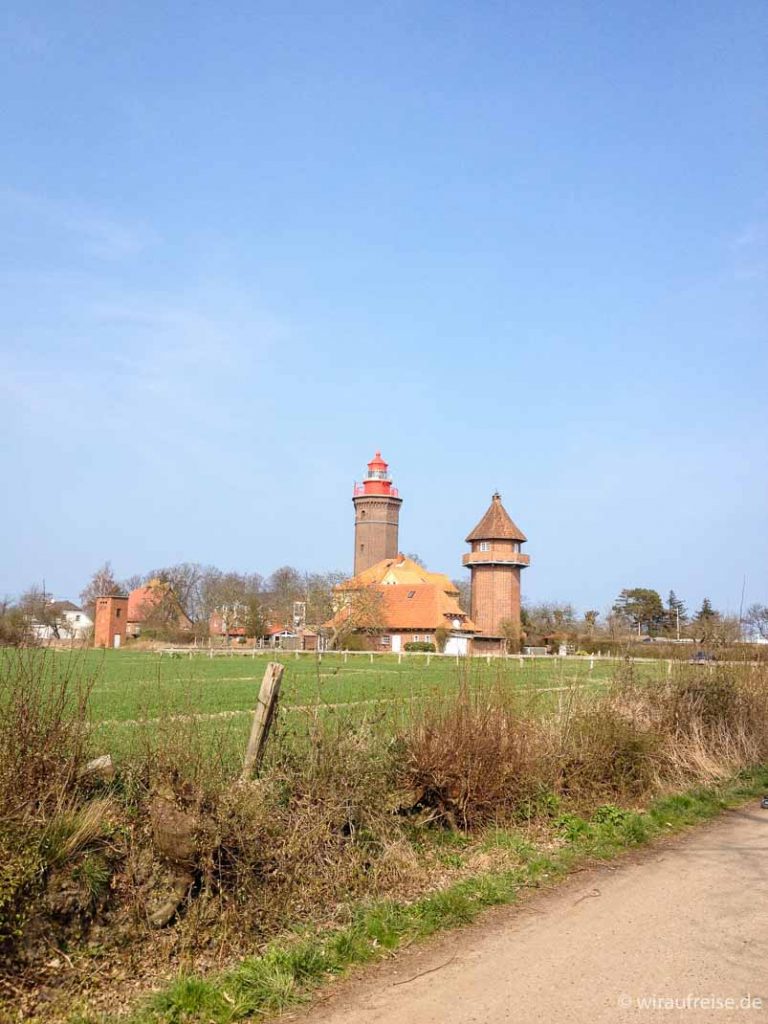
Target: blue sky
(520, 246)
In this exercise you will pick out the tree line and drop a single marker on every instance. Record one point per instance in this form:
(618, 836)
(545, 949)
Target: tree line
(641, 612)
(253, 603)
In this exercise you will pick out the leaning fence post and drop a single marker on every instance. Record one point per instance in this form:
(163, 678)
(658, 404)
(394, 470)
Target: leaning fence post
(262, 718)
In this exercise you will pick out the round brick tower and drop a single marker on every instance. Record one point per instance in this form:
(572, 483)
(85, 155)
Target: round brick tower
(495, 562)
(377, 516)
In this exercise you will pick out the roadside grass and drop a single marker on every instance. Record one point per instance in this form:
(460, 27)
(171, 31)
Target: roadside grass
(288, 971)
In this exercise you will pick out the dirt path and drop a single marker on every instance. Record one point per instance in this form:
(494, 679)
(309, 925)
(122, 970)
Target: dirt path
(684, 921)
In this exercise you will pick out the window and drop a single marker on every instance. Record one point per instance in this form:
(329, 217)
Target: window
(362, 547)
(117, 612)
(411, 593)
(484, 546)
(362, 514)
(516, 546)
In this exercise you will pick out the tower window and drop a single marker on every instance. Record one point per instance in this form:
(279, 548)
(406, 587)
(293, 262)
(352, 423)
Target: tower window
(117, 612)
(362, 547)
(362, 514)
(484, 545)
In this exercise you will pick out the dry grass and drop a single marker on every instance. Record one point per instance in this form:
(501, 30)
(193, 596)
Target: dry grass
(473, 761)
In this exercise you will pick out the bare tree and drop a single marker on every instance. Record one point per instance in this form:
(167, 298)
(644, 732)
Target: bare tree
(360, 611)
(284, 586)
(185, 581)
(756, 618)
(464, 587)
(38, 610)
(14, 627)
(234, 598)
(101, 584)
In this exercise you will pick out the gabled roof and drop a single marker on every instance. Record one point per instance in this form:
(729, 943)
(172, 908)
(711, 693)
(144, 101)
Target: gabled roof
(391, 571)
(142, 600)
(64, 606)
(496, 524)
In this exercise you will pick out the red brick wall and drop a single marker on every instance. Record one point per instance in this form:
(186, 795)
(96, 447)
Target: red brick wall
(377, 519)
(495, 597)
(111, 620)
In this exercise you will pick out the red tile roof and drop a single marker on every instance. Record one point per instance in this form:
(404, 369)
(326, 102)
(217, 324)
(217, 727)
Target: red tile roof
(142, 600)
(415, 606)
(496, 524)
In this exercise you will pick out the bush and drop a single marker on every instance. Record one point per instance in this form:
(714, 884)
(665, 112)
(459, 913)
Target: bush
(606, 752)
(472, 760)
(425, 646)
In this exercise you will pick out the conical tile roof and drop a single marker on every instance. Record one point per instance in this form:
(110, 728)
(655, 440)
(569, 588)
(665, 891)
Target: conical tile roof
(496, 524)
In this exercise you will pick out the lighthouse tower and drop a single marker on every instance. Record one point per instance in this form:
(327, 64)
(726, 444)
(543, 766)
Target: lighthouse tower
(495, 562)
(377, 516)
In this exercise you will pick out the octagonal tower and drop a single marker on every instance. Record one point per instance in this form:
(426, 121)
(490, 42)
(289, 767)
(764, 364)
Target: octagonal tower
(495, 562)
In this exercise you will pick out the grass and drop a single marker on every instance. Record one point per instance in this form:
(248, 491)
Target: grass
(287, 972)
(135, 695)
(130, 685)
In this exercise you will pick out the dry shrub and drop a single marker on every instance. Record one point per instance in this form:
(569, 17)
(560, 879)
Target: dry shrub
(716, 721)
(44, 823)
(43, 730)
(606, 751)
(315, 830)
(473, 759)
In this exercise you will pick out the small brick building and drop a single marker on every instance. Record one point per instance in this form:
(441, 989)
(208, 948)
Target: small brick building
(110, 621)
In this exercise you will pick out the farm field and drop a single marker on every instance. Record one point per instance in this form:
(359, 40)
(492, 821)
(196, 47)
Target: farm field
(134, 685)
(137, 694)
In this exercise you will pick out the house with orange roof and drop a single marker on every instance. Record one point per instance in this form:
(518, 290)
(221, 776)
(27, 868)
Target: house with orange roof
(153, 604)
(397, 601)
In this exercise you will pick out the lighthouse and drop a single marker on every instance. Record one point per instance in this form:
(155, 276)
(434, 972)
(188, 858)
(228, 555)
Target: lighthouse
(495, 561)
(377, 516)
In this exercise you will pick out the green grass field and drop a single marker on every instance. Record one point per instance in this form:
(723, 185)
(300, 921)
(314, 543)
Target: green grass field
(136, 692)
(128, 685)
(138, 695)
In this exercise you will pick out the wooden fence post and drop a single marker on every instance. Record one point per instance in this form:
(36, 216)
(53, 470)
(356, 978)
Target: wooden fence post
(262, 718)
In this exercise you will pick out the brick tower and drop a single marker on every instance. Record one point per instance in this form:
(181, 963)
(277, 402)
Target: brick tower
(110, 621)
(495, 562)
(377, 516)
